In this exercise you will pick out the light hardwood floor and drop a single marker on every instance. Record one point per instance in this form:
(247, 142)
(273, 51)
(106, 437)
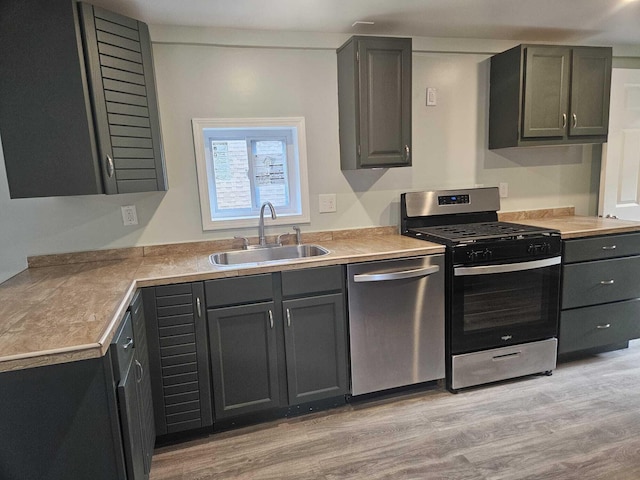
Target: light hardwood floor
(581, 423)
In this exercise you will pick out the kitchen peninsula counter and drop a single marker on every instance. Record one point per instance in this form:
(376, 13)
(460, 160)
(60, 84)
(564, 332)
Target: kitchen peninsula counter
(66, 307)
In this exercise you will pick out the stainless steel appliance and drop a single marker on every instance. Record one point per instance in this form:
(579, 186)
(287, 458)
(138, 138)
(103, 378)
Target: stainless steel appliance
(396, 322)
(502, 285)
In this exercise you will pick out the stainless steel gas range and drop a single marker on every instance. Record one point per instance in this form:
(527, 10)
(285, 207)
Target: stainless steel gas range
(502, 285)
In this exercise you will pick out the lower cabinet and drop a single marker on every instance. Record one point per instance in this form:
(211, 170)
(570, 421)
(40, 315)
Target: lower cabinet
(600, 293)
(244, 359)
(315, 344)
(179, 357)
(86, 419)
(283, 344)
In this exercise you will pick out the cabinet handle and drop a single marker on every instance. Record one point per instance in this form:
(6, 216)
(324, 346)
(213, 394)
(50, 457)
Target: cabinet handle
(271, 318)
(606, 282)
(129, 343)
(288, 317)
(564, 120)
(407, 152)
(139, 371)
(110, 166)
(606, 325)
(198, 307)
(575, 120)
(609, 247)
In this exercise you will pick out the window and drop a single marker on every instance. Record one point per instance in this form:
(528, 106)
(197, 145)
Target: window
(243, 163)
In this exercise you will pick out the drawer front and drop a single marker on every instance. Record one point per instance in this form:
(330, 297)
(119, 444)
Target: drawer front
(502, 363)
(122, 348)
(590, 327)
(239, 290)
(598, 248)
(602, 281)
(312, 280)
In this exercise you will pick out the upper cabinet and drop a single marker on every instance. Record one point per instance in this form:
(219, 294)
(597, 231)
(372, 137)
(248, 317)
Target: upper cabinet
(549, 95)
(79, 110)
(374, 98)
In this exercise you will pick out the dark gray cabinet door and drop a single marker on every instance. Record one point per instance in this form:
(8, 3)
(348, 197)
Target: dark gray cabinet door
(244, 365)
(590, 91)
(546, 91)
(374, 96)
(143, 381)
(178, 357)
(131, 421)
(118, 53)
(315, 343)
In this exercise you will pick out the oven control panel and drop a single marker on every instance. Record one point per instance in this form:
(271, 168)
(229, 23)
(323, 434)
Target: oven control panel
(453, 199)
(503, 251)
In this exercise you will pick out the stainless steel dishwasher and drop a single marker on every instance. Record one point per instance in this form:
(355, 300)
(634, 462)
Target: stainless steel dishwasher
(396, 322)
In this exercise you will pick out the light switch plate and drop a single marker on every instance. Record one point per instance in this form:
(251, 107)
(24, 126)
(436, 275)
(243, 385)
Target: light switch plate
(432, 97)
(504, 190)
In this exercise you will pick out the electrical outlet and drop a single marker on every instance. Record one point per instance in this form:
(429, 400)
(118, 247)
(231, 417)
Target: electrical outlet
(129, 215)
(327, 203)
(504, 190)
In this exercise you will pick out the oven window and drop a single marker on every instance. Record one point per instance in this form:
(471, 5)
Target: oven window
(505, 299)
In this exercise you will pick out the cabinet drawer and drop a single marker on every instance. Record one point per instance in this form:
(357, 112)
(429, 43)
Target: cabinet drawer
(236, 291)
(312, 280)
(598, 248)
(502, 363)
(602, 281)
(597, 326)
(122, 348)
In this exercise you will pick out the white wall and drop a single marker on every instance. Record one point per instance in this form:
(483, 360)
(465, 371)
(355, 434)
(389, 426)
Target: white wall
(203, 74)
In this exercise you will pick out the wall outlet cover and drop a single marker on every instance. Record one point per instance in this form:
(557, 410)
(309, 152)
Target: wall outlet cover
(129, 215)
(327, 203)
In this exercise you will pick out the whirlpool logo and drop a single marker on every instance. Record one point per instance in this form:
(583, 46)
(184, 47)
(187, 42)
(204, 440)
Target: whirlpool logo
(506, 337)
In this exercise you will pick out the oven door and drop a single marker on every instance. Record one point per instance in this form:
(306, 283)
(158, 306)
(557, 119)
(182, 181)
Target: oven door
(505, 304)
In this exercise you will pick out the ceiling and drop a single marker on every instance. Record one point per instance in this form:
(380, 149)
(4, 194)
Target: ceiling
(604, 22)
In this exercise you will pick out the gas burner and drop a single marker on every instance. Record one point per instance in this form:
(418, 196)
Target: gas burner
(477, 232)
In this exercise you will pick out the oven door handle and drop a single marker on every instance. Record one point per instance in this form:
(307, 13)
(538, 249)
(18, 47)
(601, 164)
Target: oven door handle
(505, 268)
(381, 277)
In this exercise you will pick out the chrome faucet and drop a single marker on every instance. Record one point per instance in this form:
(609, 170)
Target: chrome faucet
(262, 241)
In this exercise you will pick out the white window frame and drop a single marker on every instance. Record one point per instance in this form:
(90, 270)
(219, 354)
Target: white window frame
(295, 168)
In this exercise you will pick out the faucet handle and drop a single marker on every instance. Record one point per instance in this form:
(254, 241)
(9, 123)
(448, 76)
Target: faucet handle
(245, 241)
(298, 235)
(279, 238)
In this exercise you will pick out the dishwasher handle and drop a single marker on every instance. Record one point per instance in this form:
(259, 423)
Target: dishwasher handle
(400, 275)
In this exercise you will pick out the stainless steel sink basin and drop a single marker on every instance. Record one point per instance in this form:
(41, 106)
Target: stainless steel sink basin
(268, 254)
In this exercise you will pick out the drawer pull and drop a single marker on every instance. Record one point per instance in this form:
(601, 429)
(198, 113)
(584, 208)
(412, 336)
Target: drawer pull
(506, 356)
(609, 247)
(606, 282)
(602, 327)
(198, 307)
(128, 343)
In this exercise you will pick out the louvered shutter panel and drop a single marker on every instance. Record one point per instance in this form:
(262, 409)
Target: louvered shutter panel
(118, 55)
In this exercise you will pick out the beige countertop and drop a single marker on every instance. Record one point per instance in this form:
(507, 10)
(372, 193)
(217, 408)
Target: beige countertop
(66, 312)
(66, 307)
(577, 227)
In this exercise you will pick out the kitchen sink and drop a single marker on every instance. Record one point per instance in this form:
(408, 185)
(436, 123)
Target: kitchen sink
(267, 254)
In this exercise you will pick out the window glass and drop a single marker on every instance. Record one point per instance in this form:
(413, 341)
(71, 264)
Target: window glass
(243, 163)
